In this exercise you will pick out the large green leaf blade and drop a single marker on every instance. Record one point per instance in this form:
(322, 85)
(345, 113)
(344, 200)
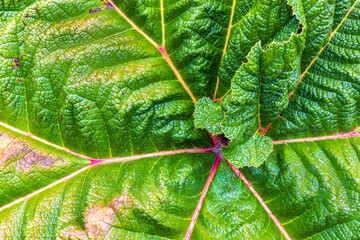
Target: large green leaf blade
(259, 92)
(90, 82)
(193, 34)
(208, 41)
(27, 165)
(151, 197)
(312, 188)
(231, 211)
(326, 98)
(248, 28)
(11, 8)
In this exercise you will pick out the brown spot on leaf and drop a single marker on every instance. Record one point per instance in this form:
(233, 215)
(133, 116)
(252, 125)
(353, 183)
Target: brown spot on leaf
(11, 148)
(16, 61)
(35, 158)
(98, 221)
(18, 150)
(73, 233)
(124, 201)
(94, 10)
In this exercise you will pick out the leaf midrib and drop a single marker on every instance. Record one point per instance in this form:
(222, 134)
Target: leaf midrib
(324, 47)
(226, 44)
(97, 162)
(303, 74)
(161, 49)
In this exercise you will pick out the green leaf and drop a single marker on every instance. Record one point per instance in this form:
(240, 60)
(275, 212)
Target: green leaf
(313, 186)
(105, 108)
(326, 98)
(253, 152)
(192, 32)
(231, 211)
(259, 93)
(89, 82)
(209, 115)
(27, 165)
(249, 27)
(149, 198)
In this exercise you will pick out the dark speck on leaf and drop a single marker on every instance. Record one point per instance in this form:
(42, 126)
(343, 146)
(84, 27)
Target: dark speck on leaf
(27, 16)
(19, 79)
(123, 93)
(94, 10)
(16, 61)
(25, 24)
(36, 10)
(88, 107)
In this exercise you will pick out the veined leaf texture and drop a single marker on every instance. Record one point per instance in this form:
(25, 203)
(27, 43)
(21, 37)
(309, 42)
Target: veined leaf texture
(179, 119)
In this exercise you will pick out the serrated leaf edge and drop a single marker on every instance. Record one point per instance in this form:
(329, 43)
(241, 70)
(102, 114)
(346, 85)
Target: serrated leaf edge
(323, 48)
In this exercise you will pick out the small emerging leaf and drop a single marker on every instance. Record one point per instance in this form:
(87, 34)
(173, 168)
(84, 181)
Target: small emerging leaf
(259, 92)
(208, 114)
(251, 153)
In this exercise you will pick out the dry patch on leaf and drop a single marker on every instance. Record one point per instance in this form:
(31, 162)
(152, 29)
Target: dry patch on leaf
(11, 147)
(35, 158)
(98, 221)
(73, 233)
(15, 149)
(124, 201)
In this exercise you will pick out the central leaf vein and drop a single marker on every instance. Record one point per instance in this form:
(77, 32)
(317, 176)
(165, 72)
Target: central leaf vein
(161, 49)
